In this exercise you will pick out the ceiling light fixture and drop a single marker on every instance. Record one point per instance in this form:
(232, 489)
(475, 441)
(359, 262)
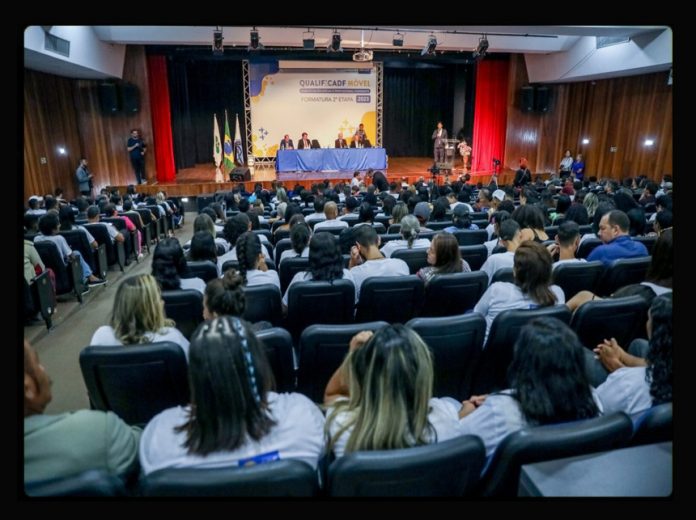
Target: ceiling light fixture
(398, 40)
(481, 49)
(218, 47)
(308, 40)
(429, 48)
(254, 43)
(335, 45)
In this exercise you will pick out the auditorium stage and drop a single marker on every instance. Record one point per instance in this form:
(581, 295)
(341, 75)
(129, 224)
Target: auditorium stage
(201, 178)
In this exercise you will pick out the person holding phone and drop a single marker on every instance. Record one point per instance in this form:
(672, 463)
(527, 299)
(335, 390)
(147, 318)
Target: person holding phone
(367, 261)
(137, 148)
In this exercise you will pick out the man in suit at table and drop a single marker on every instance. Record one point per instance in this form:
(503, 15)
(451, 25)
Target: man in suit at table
(360, 142)
(286, 143)
(439, 138)
(340, 142)
(304, 143)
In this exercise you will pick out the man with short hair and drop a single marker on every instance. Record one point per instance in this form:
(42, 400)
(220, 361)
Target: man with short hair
(136, 150)
(367, 261)
(304, 143)
(340, 142)
(84, 178)
(613, 231)
(330, 212)
(510, 238)
(567, 242)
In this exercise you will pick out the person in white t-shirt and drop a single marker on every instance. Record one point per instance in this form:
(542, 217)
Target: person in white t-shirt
(410, 228)
(234, 419)
(252, 263)
(169, 265)
(567, 242)
(331, 214)
(635, 384)
(532, 287)
(549, 386)
(396, 360)
(509, 236)
(138, 316)
(325, 264)
(366, 260)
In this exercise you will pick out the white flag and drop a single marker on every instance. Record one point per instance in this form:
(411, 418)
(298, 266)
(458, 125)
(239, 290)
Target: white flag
(217, 144)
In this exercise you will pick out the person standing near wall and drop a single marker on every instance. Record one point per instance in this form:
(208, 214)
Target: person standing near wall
(84, 178)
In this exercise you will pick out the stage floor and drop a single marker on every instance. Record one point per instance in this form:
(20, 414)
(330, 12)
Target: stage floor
(201, 178)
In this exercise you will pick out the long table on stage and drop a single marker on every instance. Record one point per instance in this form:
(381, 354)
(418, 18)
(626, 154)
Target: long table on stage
(331, 159)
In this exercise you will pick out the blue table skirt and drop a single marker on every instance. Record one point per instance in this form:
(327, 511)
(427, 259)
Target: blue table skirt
(336, 159)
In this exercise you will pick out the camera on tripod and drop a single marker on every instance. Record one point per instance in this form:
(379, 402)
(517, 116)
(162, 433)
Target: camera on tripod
(496, 161)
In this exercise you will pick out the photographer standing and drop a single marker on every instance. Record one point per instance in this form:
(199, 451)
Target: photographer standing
(522, 175)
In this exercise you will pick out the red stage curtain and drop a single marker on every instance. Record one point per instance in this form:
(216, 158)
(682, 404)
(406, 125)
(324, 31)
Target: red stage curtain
(161, 118)
(490, 114)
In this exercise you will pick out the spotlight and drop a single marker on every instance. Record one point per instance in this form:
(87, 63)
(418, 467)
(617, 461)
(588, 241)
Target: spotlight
(481, 49)
(398, 40)
(308, 40)
(335, 45)
(218, 47)
(254, 43)
(429, 48)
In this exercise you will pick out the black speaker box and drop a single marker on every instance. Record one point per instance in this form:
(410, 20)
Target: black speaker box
(527, 99)
(108, 98)
(542, 98)
(130, 98)
(240, 175)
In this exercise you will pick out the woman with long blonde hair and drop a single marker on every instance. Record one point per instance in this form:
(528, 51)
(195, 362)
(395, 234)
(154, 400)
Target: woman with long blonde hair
(138, 316)
(381, 396)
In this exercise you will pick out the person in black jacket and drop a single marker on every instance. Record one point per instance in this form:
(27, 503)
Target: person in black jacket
(523, 175)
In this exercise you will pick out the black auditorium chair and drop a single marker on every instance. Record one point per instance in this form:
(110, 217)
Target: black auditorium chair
(503, 275)
(203, 269)
(395, 299)
(451, 294)
(315, 302)
(648, 241)
(230, 264)
(444, 469)
(263, 303)
(115, 251)
(620, 318)
(279, 351)
(69, 277)
(622, 272)
(185, 307)
(289, 268)
(653, 425)
(587, 246)
(549, 442)
(92, 483)
(475, 256)
(456, 343)
(96, 258)
(491, 372)
(574, 277)
(280, 478)
(136, 382)
(471, 237)
(414, 258)
(322, 349)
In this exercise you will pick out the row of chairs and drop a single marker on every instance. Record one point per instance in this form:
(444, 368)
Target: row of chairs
(449, 468)
(117, 378)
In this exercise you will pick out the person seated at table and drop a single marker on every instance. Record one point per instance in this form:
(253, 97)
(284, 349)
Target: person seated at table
(286, 143)
(340, 142)
(304, 143)
(359, 142)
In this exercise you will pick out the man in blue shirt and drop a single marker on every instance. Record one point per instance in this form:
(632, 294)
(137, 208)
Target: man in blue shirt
(613, 231)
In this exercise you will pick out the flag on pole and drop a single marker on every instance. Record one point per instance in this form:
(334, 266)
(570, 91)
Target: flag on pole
(217, 150)
(217, 144)
(238, 152)
(229, 159)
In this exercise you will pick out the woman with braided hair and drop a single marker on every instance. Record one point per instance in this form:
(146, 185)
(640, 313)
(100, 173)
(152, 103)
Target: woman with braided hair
(234, 418)
(252, 263)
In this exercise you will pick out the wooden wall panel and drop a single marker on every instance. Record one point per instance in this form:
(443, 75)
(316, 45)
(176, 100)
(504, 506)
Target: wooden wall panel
(65, 112)
(620, 112)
